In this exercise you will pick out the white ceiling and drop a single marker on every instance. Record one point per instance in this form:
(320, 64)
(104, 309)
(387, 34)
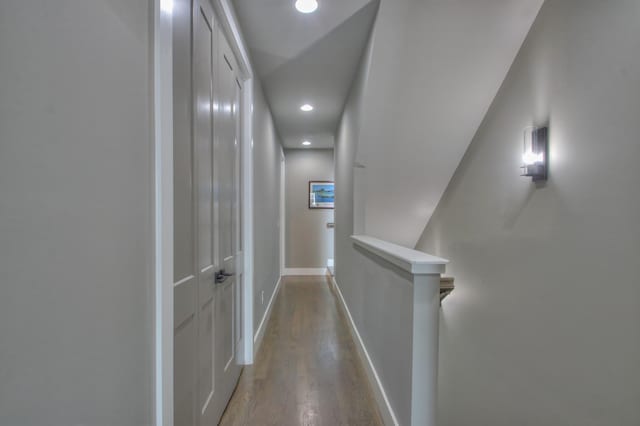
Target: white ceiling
(306, 58)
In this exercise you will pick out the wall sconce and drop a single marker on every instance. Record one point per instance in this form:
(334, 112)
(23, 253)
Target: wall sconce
(535, 154)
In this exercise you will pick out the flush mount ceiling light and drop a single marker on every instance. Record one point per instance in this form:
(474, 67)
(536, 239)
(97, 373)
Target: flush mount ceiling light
(306, 143)
(306, 6)
(306, 107)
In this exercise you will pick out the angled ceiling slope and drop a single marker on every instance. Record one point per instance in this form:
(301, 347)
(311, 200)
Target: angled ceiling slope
(435, 68)
(306, 58)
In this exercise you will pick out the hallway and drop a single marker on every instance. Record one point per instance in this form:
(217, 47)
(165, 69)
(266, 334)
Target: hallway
(307, 371)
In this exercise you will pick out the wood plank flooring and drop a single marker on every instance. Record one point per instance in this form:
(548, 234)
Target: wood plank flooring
(307, 372)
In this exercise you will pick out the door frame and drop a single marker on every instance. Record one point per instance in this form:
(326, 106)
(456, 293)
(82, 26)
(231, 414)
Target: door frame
(162, 127)
(162, 154)
(283, 214)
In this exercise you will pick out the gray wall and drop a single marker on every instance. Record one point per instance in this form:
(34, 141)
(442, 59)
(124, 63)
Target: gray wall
(434, 70)
(75, 213)
(377, 294)
(309, 243)
(345, 153)
(542, 328)
(267, 156)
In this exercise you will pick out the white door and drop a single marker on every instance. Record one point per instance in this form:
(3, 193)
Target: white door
(206, 216)
(226, 197)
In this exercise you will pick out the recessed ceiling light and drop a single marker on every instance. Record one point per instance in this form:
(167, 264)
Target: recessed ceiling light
(306, 107)
(306, 143)
(306, 6)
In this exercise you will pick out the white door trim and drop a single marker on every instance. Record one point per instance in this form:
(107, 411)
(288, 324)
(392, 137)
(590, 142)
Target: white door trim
(163, 207)
(230, 27)
(283, 212)
(245, 354)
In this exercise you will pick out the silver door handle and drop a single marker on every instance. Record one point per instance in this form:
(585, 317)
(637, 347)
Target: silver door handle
(331, 225)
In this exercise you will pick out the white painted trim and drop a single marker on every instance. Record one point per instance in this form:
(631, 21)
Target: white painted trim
(257, 339)
(304, 271)
(412, 261)
(283, 213)
(229, 23)
(246, 352)
(163, 207)
(380, 395)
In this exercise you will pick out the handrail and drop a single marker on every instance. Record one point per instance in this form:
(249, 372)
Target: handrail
(412, 261)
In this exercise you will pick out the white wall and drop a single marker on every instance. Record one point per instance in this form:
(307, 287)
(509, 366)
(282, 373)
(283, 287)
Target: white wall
(542, 328)
(309, 243)
(76, 210)
(267, 152)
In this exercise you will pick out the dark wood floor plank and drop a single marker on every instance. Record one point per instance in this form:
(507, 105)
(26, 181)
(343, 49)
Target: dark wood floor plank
(307, 372)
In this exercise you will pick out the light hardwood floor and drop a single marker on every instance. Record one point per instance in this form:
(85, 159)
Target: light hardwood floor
(307, 371)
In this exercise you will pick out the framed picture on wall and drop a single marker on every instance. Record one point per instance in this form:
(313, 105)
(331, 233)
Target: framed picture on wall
(321, 194)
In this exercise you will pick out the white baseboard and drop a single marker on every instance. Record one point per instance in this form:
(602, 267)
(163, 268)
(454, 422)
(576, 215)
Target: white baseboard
(259, 335)
(386, 411)
(304, 271)
(331, 271)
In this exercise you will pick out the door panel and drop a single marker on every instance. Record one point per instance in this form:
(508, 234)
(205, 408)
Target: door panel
(203, 133)
(225, 312)
(203, 74)
(183, 213)
(226, 153)
(183, 380)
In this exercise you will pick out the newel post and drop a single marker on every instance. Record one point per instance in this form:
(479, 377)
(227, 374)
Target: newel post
(426, 317)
